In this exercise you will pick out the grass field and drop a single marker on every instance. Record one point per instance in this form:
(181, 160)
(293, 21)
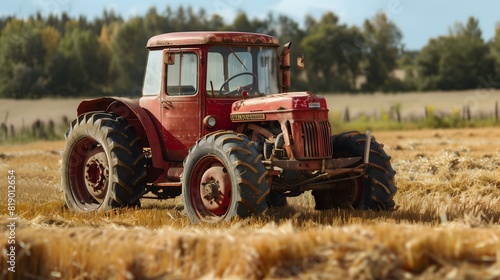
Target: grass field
(446, 225)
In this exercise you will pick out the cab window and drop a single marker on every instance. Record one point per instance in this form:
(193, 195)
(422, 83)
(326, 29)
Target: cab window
(182, 76)
(152, 78)
(232, 70)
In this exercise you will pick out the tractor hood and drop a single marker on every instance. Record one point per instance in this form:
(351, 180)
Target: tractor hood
(244, 109)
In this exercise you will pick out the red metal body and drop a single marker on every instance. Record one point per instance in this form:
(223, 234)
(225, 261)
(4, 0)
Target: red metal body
(302, 115)
(170, 124)
(217, 125)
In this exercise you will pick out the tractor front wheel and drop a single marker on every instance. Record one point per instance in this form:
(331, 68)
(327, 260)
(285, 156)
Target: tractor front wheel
(223, 178)
(372, 191)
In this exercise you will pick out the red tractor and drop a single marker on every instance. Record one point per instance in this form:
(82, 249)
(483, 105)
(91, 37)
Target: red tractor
(217, 125)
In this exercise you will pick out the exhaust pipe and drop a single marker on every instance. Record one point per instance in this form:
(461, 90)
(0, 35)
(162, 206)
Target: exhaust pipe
(285, 67)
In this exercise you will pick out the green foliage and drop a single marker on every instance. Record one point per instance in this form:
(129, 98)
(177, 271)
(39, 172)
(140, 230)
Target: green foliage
(22, 60)
(62, 56)
(456, 61)
(495, 52)
(39, 130)
(433, 119)
(383, 43)
(329, 70)
(365, 122)
(129, 58)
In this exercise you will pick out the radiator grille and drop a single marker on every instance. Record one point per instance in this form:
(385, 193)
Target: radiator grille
(317, 139)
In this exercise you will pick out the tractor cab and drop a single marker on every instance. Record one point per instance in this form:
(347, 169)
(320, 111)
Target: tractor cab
(193, 78)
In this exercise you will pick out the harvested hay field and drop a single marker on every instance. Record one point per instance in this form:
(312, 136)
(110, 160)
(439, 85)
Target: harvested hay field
(446, 225)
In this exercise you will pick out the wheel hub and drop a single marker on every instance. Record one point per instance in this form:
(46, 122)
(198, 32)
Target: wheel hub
(96, 176)
(211, 189)
(215, 190)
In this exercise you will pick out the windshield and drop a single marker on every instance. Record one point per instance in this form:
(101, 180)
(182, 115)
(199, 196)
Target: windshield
(232, 70)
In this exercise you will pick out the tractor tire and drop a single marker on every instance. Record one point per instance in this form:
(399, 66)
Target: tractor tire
(103, 164)
(223, 178)
(372, 191)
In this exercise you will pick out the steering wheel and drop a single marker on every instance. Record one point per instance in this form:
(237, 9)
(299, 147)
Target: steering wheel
(240, 89)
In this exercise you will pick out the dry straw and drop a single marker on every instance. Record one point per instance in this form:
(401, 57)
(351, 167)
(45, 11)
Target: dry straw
(384, 251)
(445, 226)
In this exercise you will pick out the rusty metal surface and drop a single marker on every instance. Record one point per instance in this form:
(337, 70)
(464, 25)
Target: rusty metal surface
(325, 164)
(323, 181)
(129, 109)
(182, 125)
(285, 68)
(335, 163)
(280, 103)
(220, 109)
(312, 139)
(175, 173)
(211, 38)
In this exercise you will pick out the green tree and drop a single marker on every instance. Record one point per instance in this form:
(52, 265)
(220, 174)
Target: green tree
(241, 23)
(288, 30)
(73, 69)
(428, 61)
(21, 60)
(216, 22)
(128, 57)
(407, 64)
(50, 38)
(457, 61)
(382, 47)
(328, 70)
(154, 22)
(495, 52)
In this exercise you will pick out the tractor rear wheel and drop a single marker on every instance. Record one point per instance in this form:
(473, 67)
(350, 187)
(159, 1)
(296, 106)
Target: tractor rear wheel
(374, 190)
(102, 163)
(223, 178)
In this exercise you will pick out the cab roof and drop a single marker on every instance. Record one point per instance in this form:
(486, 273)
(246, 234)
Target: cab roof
(211, 38)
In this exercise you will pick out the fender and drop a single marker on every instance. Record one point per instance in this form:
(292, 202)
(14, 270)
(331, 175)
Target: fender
(129, 109)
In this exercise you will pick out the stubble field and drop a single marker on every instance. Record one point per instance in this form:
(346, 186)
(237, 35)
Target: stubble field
(446, 225)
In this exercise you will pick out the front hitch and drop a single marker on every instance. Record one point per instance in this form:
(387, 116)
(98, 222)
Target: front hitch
(332, 171)
(367, 147)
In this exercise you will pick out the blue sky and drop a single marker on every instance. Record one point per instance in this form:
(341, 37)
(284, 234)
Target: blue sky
(419, 20)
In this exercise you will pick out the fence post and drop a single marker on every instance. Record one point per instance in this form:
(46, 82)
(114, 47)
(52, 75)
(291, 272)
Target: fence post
(466, 112)
(4, 131)
(496, 111)
(12, 131)
(347, 117)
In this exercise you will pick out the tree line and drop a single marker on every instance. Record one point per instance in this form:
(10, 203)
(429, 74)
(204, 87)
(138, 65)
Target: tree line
(57, 55)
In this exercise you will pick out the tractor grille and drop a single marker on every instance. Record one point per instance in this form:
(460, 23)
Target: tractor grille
(317, 139)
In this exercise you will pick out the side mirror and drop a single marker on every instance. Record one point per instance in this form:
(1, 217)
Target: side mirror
(300, 62)
(169, 58)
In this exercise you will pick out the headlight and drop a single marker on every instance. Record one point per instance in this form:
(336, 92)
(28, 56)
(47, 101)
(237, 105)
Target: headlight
(209, 121)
